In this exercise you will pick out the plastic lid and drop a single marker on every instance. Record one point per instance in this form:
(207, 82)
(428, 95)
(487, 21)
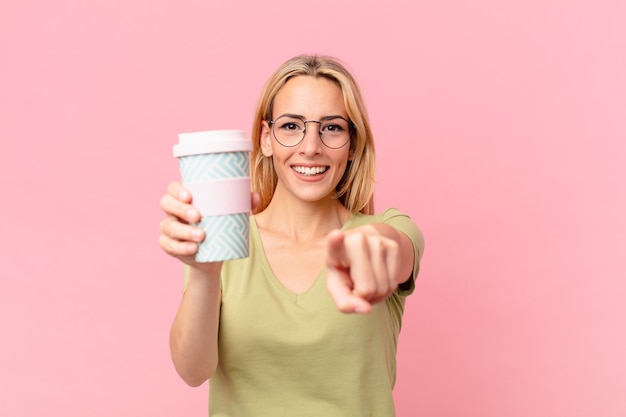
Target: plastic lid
(211, 141)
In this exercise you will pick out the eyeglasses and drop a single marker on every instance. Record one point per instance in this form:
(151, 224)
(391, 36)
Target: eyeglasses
(289, 130)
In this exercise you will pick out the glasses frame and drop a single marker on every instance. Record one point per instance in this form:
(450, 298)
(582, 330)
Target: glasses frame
(272, 123)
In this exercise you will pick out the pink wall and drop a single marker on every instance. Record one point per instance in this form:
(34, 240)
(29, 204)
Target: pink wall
(501, 129)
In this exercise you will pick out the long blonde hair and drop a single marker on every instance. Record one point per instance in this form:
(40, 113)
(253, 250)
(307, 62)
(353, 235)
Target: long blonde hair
(356, 189)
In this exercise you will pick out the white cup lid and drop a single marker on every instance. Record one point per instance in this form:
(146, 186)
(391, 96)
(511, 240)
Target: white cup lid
(211, 141)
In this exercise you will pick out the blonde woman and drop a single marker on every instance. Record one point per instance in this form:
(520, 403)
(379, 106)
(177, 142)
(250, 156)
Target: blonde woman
(308, 324)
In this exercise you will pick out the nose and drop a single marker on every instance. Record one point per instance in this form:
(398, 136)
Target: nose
(312, 141)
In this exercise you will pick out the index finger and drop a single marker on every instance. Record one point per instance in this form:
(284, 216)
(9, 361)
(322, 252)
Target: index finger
(336, 255)
(179, 192)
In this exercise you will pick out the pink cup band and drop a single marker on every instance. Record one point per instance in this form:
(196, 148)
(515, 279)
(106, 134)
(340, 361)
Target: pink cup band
(220, 197)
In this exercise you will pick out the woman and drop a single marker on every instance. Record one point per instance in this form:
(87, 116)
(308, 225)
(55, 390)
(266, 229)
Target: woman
(273, 331)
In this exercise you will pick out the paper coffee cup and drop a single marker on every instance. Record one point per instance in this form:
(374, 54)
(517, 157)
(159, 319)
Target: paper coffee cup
(215, 168)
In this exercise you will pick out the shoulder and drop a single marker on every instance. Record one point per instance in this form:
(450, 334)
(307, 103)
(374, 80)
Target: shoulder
(391, 216)
(395, 218)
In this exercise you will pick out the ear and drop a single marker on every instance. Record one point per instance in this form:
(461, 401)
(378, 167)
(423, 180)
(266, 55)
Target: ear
(352, 150)
(266, 139)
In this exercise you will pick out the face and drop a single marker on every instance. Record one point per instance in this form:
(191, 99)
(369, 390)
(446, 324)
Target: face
(309, 171)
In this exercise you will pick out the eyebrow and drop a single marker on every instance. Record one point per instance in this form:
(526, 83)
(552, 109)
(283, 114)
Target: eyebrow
(299, 116)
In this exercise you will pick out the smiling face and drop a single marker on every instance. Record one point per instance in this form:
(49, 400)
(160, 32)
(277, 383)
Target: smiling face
(309, 171)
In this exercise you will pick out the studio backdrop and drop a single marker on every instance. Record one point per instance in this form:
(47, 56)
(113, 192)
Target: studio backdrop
(500, 128)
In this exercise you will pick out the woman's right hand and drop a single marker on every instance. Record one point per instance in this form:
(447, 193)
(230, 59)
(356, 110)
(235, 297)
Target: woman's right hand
(179, 238)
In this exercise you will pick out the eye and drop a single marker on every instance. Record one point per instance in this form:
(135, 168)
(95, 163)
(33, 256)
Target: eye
(334, 128)
(289, 125)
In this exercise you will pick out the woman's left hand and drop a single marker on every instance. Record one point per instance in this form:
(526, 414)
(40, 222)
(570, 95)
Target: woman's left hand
(365, 266)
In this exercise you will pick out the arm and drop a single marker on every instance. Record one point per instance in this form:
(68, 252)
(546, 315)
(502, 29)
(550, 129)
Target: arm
(193, 336)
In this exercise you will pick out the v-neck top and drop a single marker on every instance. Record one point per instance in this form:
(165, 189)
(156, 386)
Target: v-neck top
(286, 353)
(263, 262)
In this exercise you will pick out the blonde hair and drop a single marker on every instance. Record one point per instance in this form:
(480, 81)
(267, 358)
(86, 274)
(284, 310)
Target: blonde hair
(356, 189)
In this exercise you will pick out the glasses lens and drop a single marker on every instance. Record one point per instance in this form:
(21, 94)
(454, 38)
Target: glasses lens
(288, 131)
(335, 132)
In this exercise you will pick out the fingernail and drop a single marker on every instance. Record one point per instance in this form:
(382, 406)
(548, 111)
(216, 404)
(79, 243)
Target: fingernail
(360, 310)
(191, 214)
(196, 233)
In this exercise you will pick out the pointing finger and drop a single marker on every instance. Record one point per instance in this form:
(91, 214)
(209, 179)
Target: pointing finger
(336, 255)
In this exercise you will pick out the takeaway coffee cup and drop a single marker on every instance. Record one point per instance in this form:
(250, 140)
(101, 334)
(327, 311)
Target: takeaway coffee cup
(215, 168)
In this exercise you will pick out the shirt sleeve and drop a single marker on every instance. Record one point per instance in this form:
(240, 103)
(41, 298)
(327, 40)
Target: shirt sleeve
(404, 224)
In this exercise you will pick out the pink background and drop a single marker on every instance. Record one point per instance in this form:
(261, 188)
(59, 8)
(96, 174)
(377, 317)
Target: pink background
(501, 128)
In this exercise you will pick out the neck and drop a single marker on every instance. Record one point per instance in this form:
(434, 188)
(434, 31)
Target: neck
(302, 221)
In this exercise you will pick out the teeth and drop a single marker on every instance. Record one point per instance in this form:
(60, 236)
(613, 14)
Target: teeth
(310, 171)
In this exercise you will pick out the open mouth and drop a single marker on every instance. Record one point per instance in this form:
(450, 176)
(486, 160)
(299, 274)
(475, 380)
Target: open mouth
(309, 171)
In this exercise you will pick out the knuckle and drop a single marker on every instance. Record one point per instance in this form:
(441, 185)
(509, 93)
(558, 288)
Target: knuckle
(356, 239)
(367, 229)
(366, 290)
(391, 244)
(172, 247)
(166, 244)
(383, 287)
(163, 225)
(180, 248)
(173, 187)
(163, 202)
(166, 226)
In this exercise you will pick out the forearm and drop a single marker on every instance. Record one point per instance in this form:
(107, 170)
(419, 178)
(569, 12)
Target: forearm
(193, 337)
